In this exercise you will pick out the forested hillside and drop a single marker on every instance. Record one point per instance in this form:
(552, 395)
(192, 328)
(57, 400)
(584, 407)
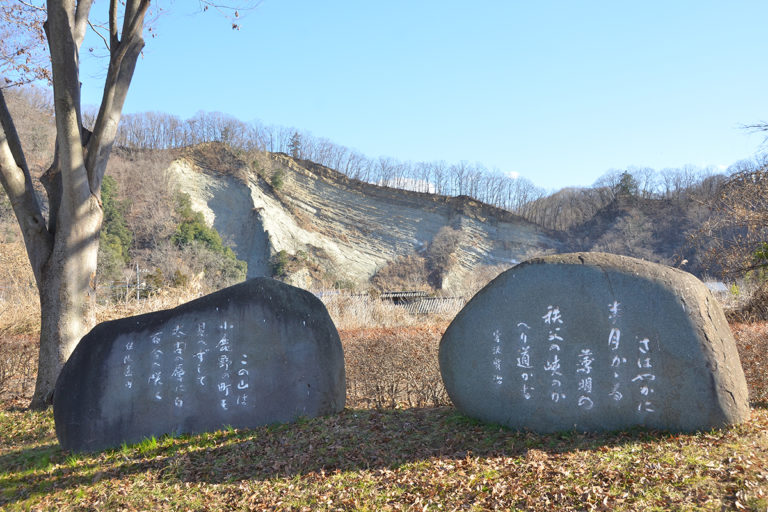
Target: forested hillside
(656, 215)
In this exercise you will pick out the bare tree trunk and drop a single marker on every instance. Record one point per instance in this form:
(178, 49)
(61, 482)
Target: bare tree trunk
(66, 290)
(66, 279)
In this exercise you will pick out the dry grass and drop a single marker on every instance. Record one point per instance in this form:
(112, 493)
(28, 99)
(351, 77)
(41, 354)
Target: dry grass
(364, 311)
(391, 353)
(18, 368)
(19, 302)
(394, 367)
(748, 307)
(393, 459)
(165, 299)
(20, 319)
(408, 272)
(384, 452)
(752, 342)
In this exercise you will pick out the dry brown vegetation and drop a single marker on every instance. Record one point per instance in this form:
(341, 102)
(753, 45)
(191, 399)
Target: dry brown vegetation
(394, 367)
(752, 342)
(363, 311)
(19, 302)
(389, 459)
(407, 272)
(732, 239)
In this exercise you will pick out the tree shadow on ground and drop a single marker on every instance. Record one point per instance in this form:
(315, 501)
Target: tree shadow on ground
(354, 440)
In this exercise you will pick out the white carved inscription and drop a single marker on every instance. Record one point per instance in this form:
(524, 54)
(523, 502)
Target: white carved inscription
(524, 360)
(617, 361)
(645, 376)
(177, 376)
(584, 376)
(224, 350)
(497, 378)
(128, 365)
(156, 370)
(554, 320)
(242, 381)
(201, 349)
(190, 355)
(577, 373)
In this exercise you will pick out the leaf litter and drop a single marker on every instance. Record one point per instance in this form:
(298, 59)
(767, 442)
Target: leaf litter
(393, 459)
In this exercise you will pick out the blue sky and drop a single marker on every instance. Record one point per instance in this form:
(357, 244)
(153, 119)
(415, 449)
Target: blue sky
(557, 91)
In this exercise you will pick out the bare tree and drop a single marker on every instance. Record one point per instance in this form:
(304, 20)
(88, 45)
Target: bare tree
(761, 127)
(647, 182)
(63, 248)
(735, 237)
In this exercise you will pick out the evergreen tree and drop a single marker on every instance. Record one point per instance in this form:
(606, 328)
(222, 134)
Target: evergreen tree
(627, 186)
(294, 146)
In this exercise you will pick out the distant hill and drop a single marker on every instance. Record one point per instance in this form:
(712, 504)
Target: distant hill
(331, 229)
(315, 227)
(656, 230)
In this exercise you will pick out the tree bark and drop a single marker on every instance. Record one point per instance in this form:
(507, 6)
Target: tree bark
(68, 282)
(66, 277)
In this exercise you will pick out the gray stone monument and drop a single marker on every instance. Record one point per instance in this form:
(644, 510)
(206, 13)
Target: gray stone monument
(256, 353)
(594, 342)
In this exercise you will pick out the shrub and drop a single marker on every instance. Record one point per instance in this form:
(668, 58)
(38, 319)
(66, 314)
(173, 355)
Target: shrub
(155, 279)
(441, 255)
(219, 272)
(278, 179)
(752, 342)
(115, 225)
(193, 227)
(753, 309)
(19, 301)
(279, 264)
(116, 238)
(179, 279)
(391, 367)
(194, 234)
(403, 273)
(18, 366)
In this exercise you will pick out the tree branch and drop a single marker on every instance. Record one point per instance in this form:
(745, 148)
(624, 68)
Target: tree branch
(131, 8)
(17, 182)
(136, 25)
(762, 126)
(113, 40)
(122, 64)
(82, 12)
(32, 6)
(96, 31)
(65, 64)
(757, 127)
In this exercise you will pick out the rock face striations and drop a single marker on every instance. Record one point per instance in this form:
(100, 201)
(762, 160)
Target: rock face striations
(349, 228)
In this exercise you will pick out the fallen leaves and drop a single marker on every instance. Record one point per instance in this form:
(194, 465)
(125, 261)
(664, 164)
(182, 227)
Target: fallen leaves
(415, 459)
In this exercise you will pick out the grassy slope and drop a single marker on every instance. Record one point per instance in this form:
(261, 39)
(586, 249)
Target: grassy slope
(393, 459)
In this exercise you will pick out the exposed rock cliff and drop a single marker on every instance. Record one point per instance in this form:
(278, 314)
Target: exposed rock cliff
(347, 228)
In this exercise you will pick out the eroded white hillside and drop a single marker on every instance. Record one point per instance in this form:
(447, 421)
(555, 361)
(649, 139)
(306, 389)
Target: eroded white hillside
(350, 229)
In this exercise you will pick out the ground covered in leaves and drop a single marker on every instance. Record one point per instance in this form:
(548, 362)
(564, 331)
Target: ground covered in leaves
(394, 459)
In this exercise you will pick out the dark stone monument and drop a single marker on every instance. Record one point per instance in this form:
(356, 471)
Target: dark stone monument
(257, 353)
(594, 342)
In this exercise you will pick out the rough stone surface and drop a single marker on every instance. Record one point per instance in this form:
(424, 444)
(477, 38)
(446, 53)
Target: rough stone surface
(592, 342)
(257, 353)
